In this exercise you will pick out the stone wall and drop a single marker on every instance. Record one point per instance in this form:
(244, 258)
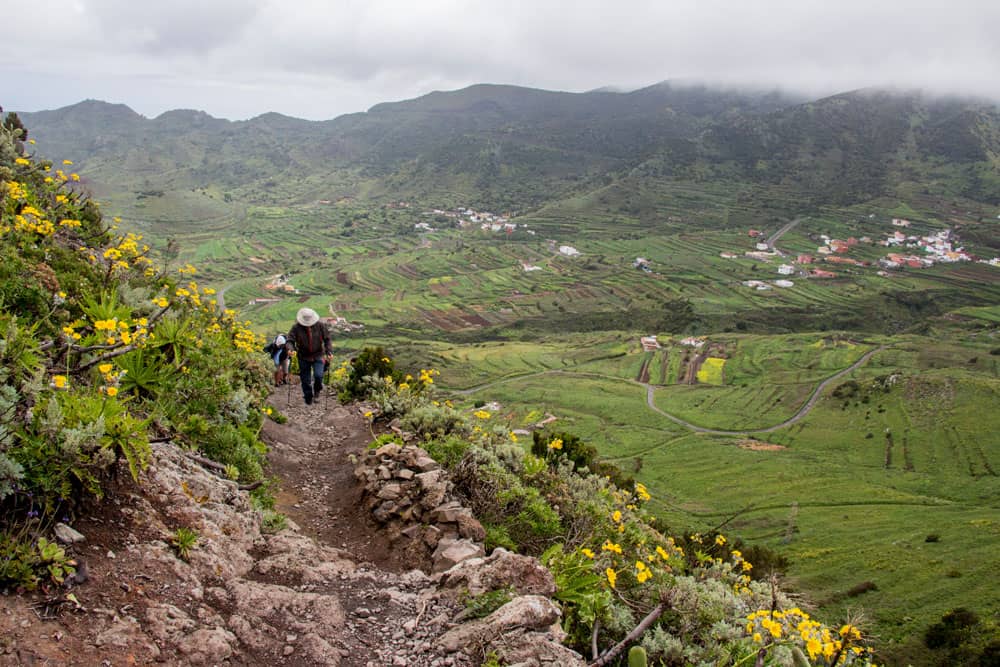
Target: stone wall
(410, 495)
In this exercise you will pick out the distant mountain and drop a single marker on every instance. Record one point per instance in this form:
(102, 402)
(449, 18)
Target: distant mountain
(508, 146)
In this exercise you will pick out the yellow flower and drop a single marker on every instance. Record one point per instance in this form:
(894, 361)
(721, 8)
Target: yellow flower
(513, 437)
(720, 540)
(385, 360)
(369, 414)
(403, 385)
(105, 368)
(22, 161)
(112, 391)
(612, 577)
(68, 163)
(587, 552)
(617, 516)
(59, 381)
(611, 546)
(661, 552)
(556, 444)
(481, 414)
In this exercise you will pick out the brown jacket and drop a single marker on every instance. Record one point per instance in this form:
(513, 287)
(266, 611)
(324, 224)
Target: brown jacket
(311, 343)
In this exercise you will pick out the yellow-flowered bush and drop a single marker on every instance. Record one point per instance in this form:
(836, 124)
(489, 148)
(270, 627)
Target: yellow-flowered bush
(96, 339)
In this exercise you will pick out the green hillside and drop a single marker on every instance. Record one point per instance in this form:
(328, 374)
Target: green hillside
(878, 485)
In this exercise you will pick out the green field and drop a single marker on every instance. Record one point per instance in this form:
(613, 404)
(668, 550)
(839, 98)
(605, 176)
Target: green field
(850, 493)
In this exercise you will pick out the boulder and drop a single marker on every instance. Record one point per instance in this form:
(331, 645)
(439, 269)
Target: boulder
(67, 535)
(501, 569)
(531, 612)
(451, 552)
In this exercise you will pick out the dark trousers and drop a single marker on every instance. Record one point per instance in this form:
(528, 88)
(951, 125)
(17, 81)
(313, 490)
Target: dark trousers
(311, 375)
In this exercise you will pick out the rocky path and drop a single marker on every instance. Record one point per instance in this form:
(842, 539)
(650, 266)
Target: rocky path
(326, 590)
(391, 611)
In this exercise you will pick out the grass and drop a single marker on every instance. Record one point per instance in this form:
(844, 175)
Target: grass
(842, 501)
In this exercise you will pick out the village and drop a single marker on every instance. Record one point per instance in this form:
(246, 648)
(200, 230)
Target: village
(468, 218)
(938, 247)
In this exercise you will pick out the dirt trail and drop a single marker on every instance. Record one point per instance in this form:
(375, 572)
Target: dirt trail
(311, 455)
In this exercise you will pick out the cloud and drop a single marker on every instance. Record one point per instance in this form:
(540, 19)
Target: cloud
(319, 58)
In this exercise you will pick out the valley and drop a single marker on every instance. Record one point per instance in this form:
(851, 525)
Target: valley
(804, 391)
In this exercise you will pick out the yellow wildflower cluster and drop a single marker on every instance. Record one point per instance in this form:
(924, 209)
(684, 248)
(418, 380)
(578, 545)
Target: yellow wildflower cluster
(340, 373)
(642, 493)
(111, 379)
(817, 639)
(611, 546)
(59, 382)
(31, 220)
(17, 191)
(555, 444)
(481, 414)
(244, 339)
(427, 376)
(113, 331)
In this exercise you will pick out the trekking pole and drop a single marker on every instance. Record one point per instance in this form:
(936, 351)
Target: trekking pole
(326, 385)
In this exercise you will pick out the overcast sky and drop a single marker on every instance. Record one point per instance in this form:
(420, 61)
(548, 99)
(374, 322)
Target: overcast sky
(318, 59)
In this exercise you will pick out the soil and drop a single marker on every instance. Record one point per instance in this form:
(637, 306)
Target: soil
(94, 622)
(311, 454)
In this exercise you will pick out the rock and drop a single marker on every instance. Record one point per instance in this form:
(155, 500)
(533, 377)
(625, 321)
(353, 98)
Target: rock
(450, 553)
(67, 535)
(405, 474)
(432, 535)
(501, 569)
(125, 633)
(390, 492)
(469, 527)
(434, 494)
(391, 450)
(532, 612)
(533, 649)
(425, 463)
(413, 532)
(207, 647)
(428, 479)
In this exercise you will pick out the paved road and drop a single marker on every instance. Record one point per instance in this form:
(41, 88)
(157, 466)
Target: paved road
(778, 234)
(220, 298)
(802, 412)
(651, 404)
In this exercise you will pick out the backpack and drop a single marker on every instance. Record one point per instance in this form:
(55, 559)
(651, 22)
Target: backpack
(274, 345)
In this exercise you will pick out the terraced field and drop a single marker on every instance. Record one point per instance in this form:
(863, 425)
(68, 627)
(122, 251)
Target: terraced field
(849, 493)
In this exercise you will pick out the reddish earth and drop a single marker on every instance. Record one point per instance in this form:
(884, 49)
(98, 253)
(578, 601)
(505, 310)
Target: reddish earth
(311, 455)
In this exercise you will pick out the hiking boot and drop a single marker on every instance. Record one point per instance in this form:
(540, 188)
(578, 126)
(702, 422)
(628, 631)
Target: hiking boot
(317, 391)
(309, 401)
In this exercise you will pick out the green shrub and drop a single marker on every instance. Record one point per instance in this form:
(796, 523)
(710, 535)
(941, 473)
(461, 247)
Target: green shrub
(484, 604)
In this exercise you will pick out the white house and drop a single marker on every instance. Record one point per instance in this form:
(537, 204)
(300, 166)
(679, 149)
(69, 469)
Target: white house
(784, 283)
(568, 250)
(786, 269)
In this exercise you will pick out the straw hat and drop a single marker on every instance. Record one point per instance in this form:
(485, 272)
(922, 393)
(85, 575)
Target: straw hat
(306, 317)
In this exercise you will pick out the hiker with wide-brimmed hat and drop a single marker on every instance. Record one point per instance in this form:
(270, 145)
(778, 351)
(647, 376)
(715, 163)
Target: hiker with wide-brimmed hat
(311, 341)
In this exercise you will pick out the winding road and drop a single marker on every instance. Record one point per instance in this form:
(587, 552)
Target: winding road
(804, 410)
(778, 234)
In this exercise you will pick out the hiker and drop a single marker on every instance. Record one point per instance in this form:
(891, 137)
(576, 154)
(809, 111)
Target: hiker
(278, 349)
(311, 342)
